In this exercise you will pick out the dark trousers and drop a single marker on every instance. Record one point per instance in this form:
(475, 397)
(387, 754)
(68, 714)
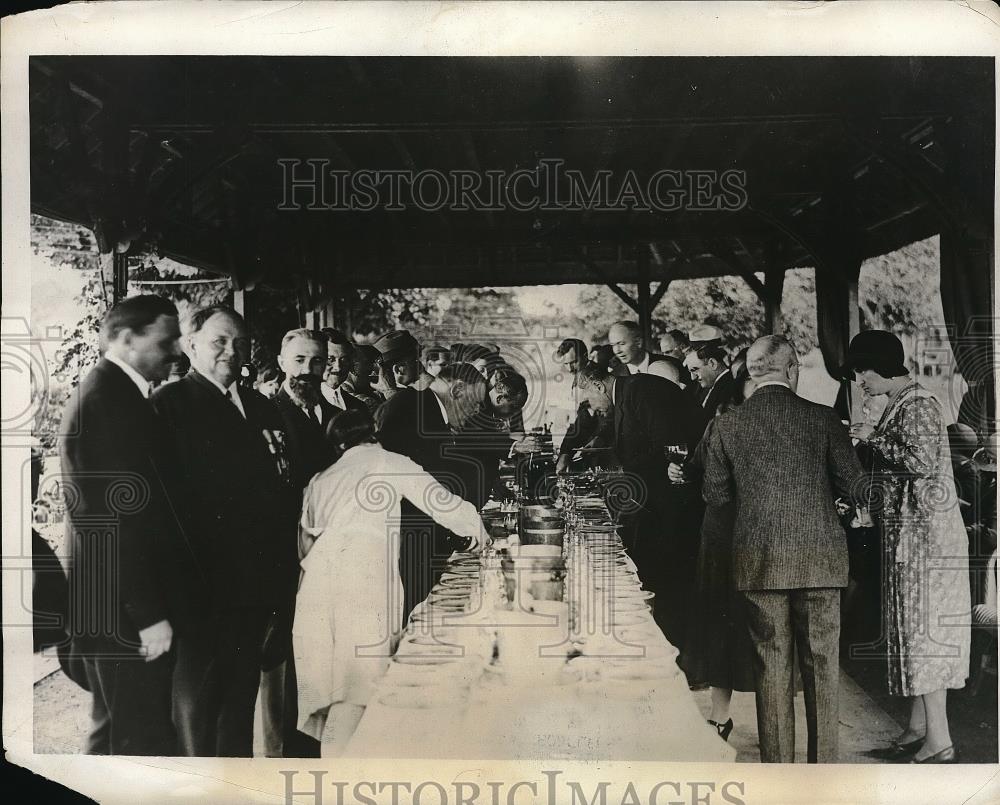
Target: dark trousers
(424, 548)
(280, 712)
(782, 622)
(664, 547)
(131, 706)
(216, 677)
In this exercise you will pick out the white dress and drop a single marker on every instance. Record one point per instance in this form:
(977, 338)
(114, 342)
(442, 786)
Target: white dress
(349, 608)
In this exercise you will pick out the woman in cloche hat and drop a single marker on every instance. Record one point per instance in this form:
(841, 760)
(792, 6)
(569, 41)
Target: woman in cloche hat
(925, 590)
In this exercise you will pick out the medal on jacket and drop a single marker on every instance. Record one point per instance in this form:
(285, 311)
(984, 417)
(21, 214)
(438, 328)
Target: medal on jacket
(276, 445)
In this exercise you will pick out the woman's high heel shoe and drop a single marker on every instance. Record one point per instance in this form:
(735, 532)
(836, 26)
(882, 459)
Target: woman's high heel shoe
(722, 729)
(897, 751)
(947, 755)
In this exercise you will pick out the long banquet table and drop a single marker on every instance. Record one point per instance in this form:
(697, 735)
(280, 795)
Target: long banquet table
(589, 677)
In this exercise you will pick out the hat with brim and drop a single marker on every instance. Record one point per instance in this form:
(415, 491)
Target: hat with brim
(875, 349)
(705, 334)
(985, 458)
(396, 346)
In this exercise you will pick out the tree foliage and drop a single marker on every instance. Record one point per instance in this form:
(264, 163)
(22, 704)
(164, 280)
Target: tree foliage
(899, 291)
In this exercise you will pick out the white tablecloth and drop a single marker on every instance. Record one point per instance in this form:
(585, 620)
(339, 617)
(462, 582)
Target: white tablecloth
(602, 719)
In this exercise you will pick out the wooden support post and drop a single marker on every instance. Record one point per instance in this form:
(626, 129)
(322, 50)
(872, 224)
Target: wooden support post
(628, 300)
(774, 285)
(119, 275)
(853, 311)
(645, 310)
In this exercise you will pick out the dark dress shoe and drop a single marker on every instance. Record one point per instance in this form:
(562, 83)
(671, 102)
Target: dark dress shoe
(897, 751)
(722, 729)
(947, 755)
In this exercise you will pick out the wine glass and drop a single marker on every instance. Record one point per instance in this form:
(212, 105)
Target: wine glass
(676, 453)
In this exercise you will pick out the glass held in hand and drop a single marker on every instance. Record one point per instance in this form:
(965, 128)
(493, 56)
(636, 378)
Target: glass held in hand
(862, 518)
(676, 453)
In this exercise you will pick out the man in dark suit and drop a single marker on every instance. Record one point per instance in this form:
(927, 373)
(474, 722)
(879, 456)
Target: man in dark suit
(710, 371)
(234, 490)
(128, 556)
(784, 460)
(648, 414)
(421, 425)
(305, 414)
(340, 357)
(400, 362)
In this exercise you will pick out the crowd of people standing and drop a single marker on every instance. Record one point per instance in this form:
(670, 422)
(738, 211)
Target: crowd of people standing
(252, 553)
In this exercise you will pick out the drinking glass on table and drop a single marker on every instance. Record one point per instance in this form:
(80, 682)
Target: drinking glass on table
(677, 455)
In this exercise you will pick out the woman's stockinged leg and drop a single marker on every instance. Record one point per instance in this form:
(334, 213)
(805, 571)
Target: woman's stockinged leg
(938, 735)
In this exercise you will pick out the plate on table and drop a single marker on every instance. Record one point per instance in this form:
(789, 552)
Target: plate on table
(419, 698)
(430, 650)
(432, 639)
(566, 675)
(425, 659)
(628, 618)
(640, 671)
(635, 592)
(459, 576)
(629, 605)
(640, 633)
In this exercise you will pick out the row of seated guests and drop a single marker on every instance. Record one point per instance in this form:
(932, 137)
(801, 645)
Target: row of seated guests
(203, 479)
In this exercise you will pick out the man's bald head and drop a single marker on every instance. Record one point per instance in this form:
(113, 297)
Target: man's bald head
(625, 338)
(773, 359)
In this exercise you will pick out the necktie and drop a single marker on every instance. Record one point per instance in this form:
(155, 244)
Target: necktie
(229, 396)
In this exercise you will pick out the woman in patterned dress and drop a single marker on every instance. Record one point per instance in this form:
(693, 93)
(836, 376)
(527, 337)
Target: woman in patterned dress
(926, 601)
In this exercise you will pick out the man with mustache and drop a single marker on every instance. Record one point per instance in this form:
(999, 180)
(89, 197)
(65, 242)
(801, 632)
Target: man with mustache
(363, 375)
(303, 361)
(232, 490)
(340, 359)
(305, 413)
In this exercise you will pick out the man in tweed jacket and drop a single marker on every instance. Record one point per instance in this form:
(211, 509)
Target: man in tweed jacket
(784, 460)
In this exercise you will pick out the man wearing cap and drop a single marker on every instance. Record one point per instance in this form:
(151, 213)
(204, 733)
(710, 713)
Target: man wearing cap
(705, 335)
(631, 357)
(400, 358)
(339, 363)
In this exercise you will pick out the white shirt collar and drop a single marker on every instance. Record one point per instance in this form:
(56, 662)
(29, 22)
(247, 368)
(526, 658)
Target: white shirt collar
(640, 368)
(334, 396)
(133, 375)
(444, 411)
(232, 391)
(719, 377)
(772, 383)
